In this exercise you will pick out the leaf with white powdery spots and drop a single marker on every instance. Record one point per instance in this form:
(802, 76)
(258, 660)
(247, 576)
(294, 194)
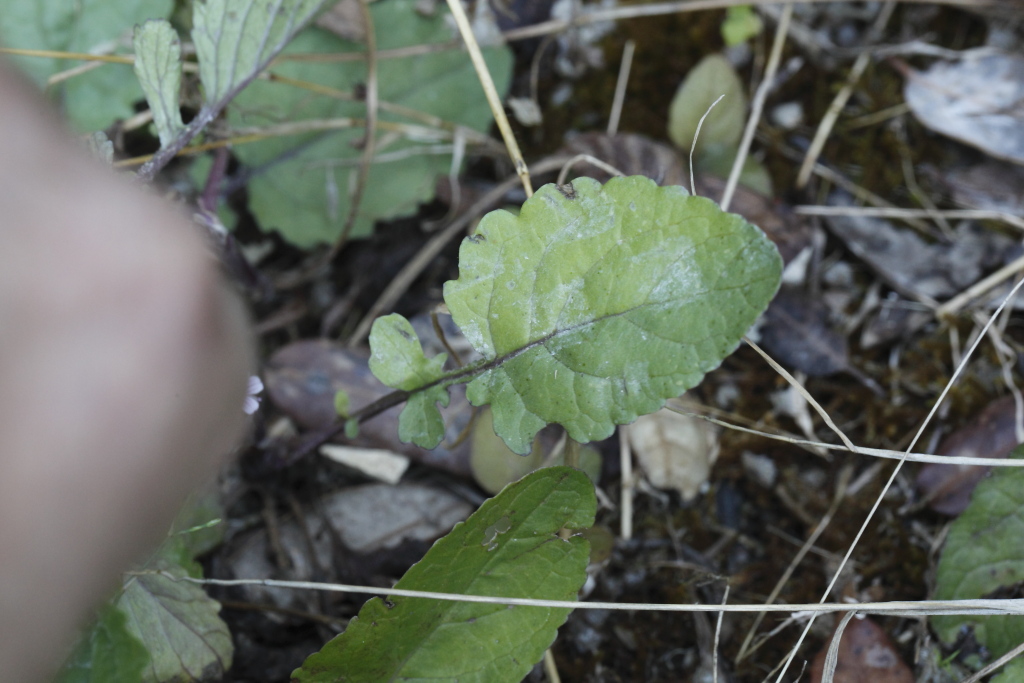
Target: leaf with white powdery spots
(158, 68)
(596, 304)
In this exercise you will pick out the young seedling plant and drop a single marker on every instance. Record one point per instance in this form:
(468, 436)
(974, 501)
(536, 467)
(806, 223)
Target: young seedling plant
(590, 308)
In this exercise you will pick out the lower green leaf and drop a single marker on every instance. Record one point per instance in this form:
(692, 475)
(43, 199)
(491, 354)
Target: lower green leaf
(984, 554)
(420, 421)
(177, 622)
(510, 548)
(106, 653)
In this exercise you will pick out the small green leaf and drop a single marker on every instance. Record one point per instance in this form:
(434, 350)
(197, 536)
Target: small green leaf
(983, 554)
(1013, 672)
(158, 68)
(397, 357)
(397, 360)
(740, 25)
(106, 653)
(236, 39)
(713, 76)
(420, 421)
(341, 403)
(91, 100)
(508, 548)
(177, 622)
(351, 429)
(595, 304)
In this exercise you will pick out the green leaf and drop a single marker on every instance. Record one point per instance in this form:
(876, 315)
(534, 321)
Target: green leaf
(983, 554)
(106, 653)
(420, 421)
(718, 160)
(397, 360)
(341, 403)
(95, 99)
(301, 184)
(508, 548)
(1013, 672)
(177, 622)
(158, 68)
(740, 25)
(713, 76)
(594, 305)
(397, 357)
(236, 39)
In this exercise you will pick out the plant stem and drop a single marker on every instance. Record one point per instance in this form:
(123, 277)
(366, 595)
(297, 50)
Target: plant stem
(572, 453)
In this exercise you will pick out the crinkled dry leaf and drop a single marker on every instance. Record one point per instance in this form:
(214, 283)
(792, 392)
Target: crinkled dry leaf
(913, 266)
(865, 654)
(675, 451)
(797, 332)
(992, 434)
(978, 100)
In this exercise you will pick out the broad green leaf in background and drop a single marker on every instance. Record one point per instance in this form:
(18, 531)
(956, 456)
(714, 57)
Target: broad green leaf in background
(95, 99)
(596, 304)
(158, 68)
(177, 622)
(1011, 673)
(983, 554)
(301, 184)
(236, 39)
(711, 77)
(106, 653)
(719, 137)
(509, 548)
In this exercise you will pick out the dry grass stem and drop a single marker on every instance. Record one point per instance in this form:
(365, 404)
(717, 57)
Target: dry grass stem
(896, 470)
(805, 548)
(896, 212)
(628, 485)
(604, 166)
(620, 87)
(980, 606)
(493, 99)
(758, 104)
(370, 135)
(806, 395)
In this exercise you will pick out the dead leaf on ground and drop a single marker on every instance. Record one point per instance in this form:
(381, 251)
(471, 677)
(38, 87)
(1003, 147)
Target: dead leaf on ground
(991, 186)
(978, 100)
(675, 451)
(992, 434)
(631, 154)
(865, 654)
(913, 266)
(303, 377)
(799, 334)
